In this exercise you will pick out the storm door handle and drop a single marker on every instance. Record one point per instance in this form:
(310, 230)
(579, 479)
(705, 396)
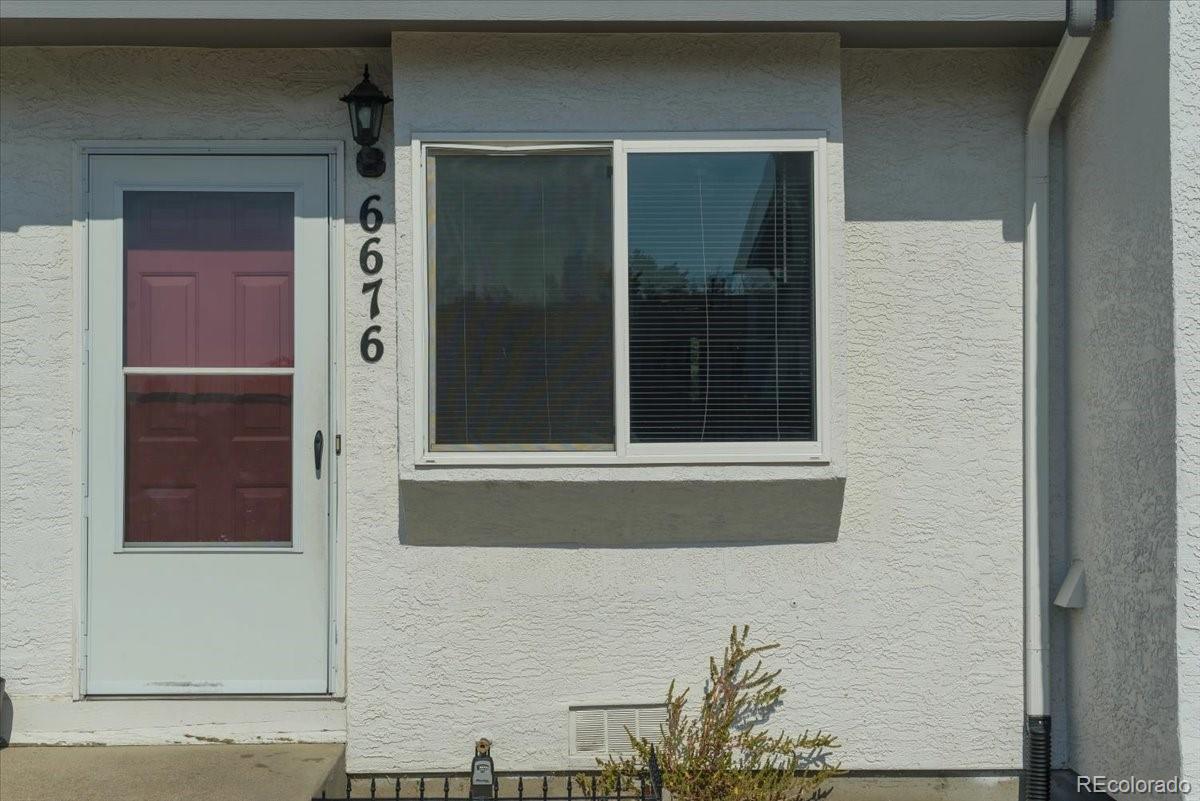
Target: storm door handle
(318, 449)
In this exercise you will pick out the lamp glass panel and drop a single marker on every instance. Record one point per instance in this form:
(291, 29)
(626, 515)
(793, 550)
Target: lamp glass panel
(376, 120)
(364, 111)
(355, 128)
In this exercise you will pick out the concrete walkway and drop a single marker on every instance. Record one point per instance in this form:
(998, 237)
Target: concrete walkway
(284, 772)
(296, 772)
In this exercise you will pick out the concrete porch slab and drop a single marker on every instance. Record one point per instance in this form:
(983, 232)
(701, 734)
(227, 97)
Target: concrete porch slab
(297, 772)
(277, 772)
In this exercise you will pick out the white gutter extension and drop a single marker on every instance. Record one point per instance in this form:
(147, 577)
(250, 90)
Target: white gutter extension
(1082, 17)
(1037, 460)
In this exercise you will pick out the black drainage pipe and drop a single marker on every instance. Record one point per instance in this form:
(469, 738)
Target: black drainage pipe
(1037, 758)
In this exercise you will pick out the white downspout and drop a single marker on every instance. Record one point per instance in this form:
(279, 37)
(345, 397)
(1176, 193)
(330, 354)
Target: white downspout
(1036, 410)
(1037, 459)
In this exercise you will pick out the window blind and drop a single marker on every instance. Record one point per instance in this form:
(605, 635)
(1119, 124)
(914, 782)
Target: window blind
(521, 274)
(721, 297)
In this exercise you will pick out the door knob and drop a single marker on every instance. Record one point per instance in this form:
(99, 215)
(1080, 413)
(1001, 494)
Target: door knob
(318, 448)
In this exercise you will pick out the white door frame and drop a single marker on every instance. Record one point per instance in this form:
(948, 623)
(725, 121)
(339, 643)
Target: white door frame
(334, 150)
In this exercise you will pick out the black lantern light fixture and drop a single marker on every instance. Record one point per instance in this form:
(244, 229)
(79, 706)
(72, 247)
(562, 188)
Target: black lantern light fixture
(366, 103)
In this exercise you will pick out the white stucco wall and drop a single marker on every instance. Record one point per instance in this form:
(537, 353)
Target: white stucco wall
(1121, 411)
(1185, 232)
(480, 604)
(505, 597)
(50, 98)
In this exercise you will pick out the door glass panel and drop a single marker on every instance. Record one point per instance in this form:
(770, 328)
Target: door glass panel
(208, 284)
(208, 459)
(208, 279)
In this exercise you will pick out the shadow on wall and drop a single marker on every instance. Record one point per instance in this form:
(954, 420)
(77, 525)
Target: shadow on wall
(620, 514)
(937, 135)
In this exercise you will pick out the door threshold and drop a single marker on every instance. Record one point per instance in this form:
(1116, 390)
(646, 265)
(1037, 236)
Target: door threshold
(214, 697)
(158, 720)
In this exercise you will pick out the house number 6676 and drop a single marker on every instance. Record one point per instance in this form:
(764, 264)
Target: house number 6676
(370, 261)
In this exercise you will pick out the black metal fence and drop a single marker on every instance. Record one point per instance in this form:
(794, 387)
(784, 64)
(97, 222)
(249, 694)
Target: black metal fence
(511, 786)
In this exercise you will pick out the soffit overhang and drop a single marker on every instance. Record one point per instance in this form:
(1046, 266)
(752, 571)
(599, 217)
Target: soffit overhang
(303, 23)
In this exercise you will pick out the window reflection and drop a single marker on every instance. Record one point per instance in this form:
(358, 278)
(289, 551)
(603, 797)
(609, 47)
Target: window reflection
(721, 297)
(522, 307)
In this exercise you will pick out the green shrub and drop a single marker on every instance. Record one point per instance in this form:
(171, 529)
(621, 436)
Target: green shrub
(723, 753)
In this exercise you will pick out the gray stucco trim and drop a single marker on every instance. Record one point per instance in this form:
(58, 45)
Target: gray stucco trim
(547, 10)
(1185, 242)
(1122, 709)
(296, 23)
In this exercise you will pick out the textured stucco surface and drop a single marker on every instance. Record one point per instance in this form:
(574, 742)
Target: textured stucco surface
(1185, 221)
(1121, 471)
(1059, 453)
(913, 609)
(895, 590)
(50, 98)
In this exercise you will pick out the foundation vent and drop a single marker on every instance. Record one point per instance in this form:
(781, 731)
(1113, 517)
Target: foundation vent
(600, 730)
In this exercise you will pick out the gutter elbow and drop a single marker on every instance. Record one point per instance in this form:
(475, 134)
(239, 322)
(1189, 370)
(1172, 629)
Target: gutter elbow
(1084, 15)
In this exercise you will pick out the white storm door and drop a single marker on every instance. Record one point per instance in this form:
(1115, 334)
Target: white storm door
(208, 429)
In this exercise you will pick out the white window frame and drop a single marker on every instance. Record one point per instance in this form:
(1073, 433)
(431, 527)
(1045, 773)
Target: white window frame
(624, 452)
